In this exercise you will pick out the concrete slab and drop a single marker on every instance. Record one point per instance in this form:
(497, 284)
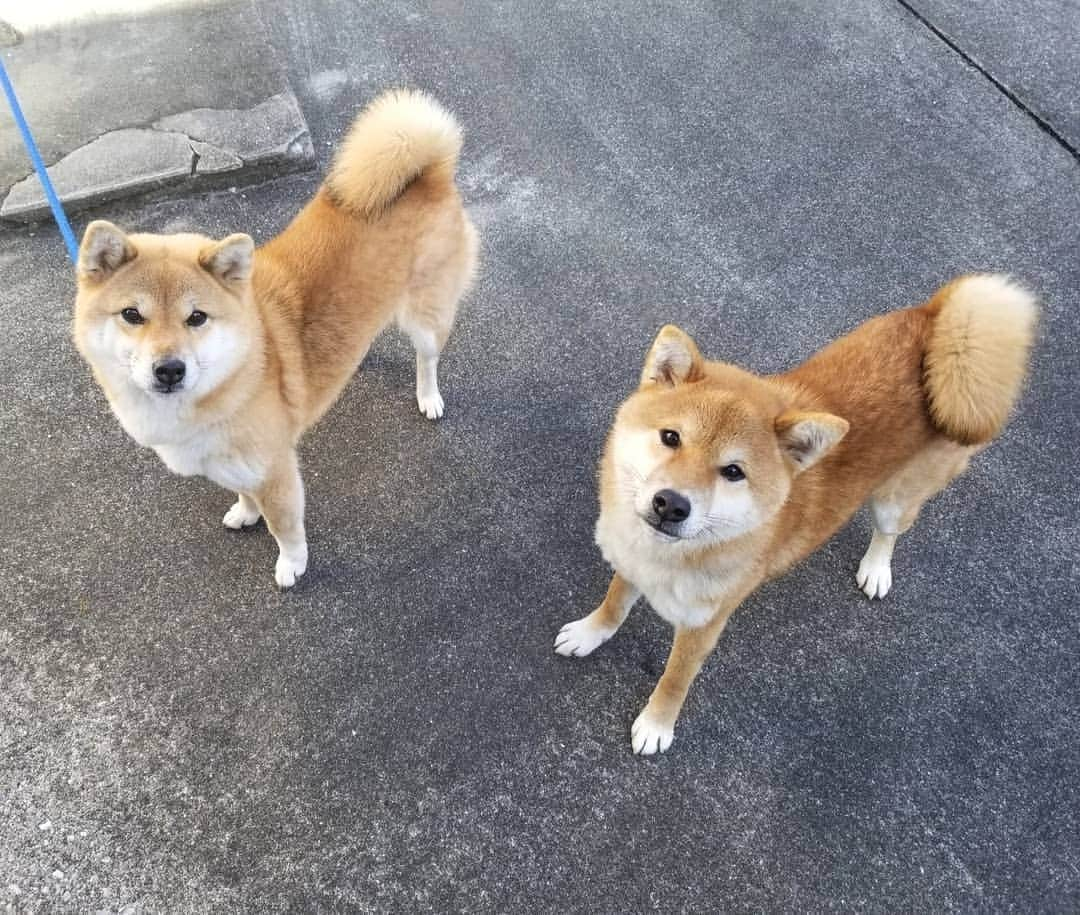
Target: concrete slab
(138, 159)
(110, 98)
(271, 130)
(396, 735)
(1030, 47)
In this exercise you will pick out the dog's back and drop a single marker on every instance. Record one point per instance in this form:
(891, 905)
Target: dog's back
(953, 366)
(922, 389)
(385, 237)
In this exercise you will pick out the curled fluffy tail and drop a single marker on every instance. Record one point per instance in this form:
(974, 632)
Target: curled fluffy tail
(400, 136)
(976, 355)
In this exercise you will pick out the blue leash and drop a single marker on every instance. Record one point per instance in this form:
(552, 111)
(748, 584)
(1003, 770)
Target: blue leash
(39, 166)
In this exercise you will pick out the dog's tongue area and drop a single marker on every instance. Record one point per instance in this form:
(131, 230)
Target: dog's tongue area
(657, 525)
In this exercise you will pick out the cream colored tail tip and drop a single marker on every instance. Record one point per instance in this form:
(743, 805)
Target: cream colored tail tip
(994, 292)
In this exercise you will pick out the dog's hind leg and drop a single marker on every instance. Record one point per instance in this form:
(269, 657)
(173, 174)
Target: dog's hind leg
(428, 343)
(896, 503)
(427, 316)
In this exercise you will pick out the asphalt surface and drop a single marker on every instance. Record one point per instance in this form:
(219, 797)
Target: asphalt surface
(396, 733)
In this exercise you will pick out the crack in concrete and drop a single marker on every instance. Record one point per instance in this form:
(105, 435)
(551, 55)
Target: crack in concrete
(251, 138)
(138, 159)
(293, 144)
(970, 60)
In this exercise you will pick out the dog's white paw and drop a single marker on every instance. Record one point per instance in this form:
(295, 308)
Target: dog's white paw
(431, 404)
(581, 637)
(649, 735)
(874, 575)
(242, 514)
(289, 567)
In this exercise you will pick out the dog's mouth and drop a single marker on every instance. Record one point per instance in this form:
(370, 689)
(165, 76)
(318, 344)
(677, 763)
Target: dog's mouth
(160, 388)
(667, 531)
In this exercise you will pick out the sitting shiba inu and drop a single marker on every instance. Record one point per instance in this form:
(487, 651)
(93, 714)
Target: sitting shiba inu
(218, 356)
(714, 480)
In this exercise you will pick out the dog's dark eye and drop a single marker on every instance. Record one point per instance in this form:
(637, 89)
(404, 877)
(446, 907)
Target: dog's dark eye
(196, 319)
(132, 316)
(732, 473)
(669, 437)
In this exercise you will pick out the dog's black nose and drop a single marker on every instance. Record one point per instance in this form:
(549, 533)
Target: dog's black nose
(671, 506)
(169, 371)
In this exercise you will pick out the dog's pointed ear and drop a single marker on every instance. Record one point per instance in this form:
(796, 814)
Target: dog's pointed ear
(104, 250)
(229, 260)
(805, 438)
(674, 359)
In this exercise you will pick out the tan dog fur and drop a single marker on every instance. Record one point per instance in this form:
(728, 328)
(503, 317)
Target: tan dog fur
(888, 415)
(386, 238)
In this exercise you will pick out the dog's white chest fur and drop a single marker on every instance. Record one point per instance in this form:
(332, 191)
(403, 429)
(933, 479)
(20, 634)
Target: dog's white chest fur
(206, 456)
(680, 596)
(186, 448)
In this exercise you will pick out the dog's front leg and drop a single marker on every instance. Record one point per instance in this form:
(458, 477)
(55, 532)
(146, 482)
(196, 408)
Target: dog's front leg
(654, 729)
(281, 501)
(582, 637)
(244, 513)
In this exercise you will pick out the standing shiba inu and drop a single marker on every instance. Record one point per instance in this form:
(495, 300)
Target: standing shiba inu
(715, 480)
(218, 356)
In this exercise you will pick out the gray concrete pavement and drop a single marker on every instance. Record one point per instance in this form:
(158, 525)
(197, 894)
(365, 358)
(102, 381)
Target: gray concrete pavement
(144, 98)
(1030, 48)
(396, 734)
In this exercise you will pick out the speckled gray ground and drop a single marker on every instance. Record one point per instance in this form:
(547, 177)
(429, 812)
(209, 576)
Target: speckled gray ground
(396, 734)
